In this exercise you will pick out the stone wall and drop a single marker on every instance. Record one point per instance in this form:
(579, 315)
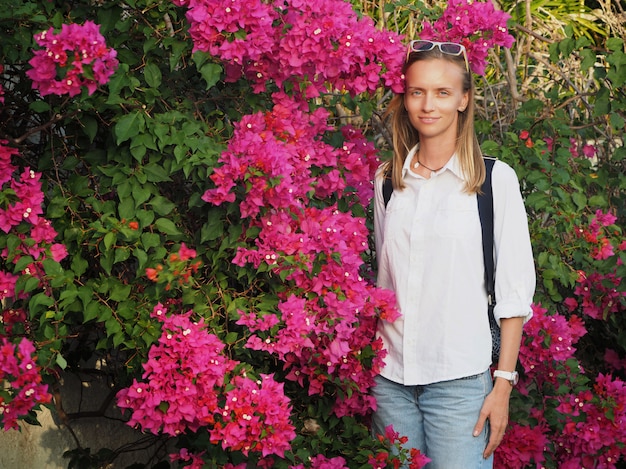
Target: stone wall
(82, 398)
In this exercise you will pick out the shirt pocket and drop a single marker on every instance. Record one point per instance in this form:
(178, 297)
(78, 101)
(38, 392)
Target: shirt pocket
(456, 215)
(400, 201)
(398, 215)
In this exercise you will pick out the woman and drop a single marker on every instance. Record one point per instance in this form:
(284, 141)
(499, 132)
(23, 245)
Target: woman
(436, 387)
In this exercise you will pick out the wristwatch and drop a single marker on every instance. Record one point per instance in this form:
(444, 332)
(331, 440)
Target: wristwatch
(511, 376)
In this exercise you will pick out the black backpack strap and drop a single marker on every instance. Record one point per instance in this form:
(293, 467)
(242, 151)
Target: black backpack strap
(485, 211)
(387, 187)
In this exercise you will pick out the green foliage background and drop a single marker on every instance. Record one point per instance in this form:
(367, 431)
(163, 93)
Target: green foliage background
(142, 149)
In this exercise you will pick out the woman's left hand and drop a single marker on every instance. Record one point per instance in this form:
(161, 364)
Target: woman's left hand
(496, 410)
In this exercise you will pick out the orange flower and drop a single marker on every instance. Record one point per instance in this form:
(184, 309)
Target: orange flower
(133, 225)
(152, 274)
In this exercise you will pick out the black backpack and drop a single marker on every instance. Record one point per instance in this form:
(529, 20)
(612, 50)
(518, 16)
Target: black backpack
(485, 212)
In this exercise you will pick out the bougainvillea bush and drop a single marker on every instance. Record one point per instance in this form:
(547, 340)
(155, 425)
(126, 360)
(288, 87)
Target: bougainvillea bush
(185, 193)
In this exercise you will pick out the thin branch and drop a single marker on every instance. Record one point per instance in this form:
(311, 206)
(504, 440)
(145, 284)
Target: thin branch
(532, 33)
(565, 78)
(39, 128)
(511, 78)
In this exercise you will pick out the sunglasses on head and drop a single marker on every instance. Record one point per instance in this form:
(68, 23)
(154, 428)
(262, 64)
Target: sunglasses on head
(448, 48)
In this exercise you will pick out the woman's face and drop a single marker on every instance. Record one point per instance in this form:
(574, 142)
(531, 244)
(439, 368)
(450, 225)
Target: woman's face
(434, 96)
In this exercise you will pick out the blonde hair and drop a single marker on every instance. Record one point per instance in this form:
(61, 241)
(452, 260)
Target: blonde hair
(405, 137)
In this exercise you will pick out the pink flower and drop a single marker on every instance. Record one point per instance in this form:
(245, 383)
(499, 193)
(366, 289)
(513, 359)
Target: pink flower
(1, 90)
(184, 455)
(80, 52)
(603, 251)
(418, 460)
(549, 142)
(255, 417)
(522, 446)
(589, 150)
(477, 25)
(548, 337)
(573, 148)
(605, 219)
(612, 358)
(598, 294)
(184, 388)
(6, 168)
(336, 48)
(58, 252)
(593, 422)
(322, 462)
(21, 378)
(7, 284)
(186, 253)
(571, 304)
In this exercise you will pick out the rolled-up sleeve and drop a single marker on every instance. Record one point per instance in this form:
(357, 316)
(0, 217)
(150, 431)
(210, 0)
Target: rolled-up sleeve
(514, 264)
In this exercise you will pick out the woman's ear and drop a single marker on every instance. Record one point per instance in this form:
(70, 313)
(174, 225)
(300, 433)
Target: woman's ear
(464, 102)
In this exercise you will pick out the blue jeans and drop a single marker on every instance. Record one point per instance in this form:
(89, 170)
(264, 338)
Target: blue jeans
(438, 419)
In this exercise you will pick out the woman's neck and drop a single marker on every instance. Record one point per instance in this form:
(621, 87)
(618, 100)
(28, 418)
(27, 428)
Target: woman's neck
(434, 154)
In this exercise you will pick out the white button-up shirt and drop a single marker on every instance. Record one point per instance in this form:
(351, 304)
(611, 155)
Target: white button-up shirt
(429, 249)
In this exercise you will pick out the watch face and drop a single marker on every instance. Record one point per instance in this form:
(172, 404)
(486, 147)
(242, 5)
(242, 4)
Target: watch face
(515, 378)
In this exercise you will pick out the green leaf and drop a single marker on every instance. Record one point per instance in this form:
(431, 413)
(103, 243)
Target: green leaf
(200, 58)
(212, 229)
(150, 240)
(40, 299)
(153, 75)
(106, 261)
(231, 338)
(167, 227)
(617, 121)
(597, 201)
(39, 106)
(161, 205)
(90, 127)
(119, 292)
(126, 208)
(23, 263)
(156, 173)
(31, 284)
(140, 194)
(62, 362)
(112, 326)
(211, 73)
(118, 339)
(603, 102)
(138, 151)
(145, 217)
(142, 257)
(121, 254)
(91, 311)
(589, 59)
(129, 126)
(579, 199)
(124, 189)
(615, 44)
(109, 240)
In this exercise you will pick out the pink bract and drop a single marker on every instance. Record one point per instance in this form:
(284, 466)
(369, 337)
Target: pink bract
(80, 51)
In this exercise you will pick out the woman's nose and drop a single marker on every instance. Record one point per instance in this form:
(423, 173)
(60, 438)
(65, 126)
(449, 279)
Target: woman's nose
(428, 102)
